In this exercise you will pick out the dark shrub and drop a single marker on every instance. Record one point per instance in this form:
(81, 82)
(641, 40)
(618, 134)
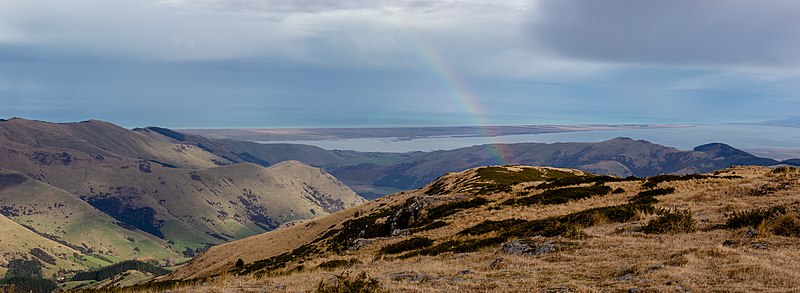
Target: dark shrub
(338, 263)
(561, 195)
(118, 268)
(753, 218)
(406, 245)
(786, 225)
(671, 222)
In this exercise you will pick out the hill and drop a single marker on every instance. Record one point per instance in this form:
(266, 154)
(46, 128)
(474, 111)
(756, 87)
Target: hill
(94, 239)
(522, 229)
(620, 156)
(111, 193)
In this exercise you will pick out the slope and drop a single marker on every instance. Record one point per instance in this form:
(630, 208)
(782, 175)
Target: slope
(64, 218)
(19, 242)
(522, 229)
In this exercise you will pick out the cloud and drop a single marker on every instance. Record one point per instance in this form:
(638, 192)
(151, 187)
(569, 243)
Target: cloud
(675, 32)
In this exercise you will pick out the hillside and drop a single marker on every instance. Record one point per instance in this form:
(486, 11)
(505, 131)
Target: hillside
(94, 238)
(113, 194)
(620, 156)
(525, 229)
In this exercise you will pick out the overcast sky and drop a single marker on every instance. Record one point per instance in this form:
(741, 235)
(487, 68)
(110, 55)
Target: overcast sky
(316, 63)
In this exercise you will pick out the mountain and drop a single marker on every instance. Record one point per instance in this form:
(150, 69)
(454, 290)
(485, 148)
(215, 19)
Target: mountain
(116, 194)
(620, 156)
(375, 174)
(526, 229)
(791, 162)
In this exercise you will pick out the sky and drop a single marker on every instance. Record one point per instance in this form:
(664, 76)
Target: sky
(361, 63)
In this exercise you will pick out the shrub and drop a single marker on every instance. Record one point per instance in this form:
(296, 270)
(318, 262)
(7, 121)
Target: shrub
(344, 283)
(500, 179)
(786, 225)
(561, 195)
(671, 222)
(406, 245)
(655, 180)
(457, 246)
(649, 196)
(490, 226)
(576, 180)
(753, 218)
(30, 284)
(619, 190)
(783, 169)
(338, 263)
(431, 226)
(118, 268)
(453, 207)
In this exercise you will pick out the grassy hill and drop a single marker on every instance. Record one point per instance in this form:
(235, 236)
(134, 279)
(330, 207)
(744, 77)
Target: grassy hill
(526, 229)
(94, 237)
(110, 194)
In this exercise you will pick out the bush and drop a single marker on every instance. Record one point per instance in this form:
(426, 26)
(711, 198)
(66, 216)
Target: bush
(649, 196)
(754, 218)
(337, 263)
(500, 179)
(561, 195)
(786, 225)
(344, 283)
(453, 207)
(457, 246)
(29, 284)
(576, 180)
(671, 222)
(118, 268)
(406, 245)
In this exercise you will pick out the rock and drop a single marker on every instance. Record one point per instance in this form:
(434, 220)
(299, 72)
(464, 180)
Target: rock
(464, 272)
(683, 289)
(627, 277)
(728, 243)
(409, 277)
(534, 246)
(496, 263)
(751, 232)
(759, 246)
(359, 242)
(635, 290)
(556, 290)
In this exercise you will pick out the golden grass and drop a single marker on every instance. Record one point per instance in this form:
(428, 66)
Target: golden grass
(612, 257)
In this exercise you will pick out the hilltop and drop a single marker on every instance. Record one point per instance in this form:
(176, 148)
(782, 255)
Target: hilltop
(518, 228)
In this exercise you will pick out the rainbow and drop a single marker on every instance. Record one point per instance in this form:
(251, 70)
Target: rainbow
(460, 94)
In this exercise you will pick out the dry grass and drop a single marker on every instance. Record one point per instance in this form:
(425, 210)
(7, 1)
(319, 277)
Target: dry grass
(612, 257)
